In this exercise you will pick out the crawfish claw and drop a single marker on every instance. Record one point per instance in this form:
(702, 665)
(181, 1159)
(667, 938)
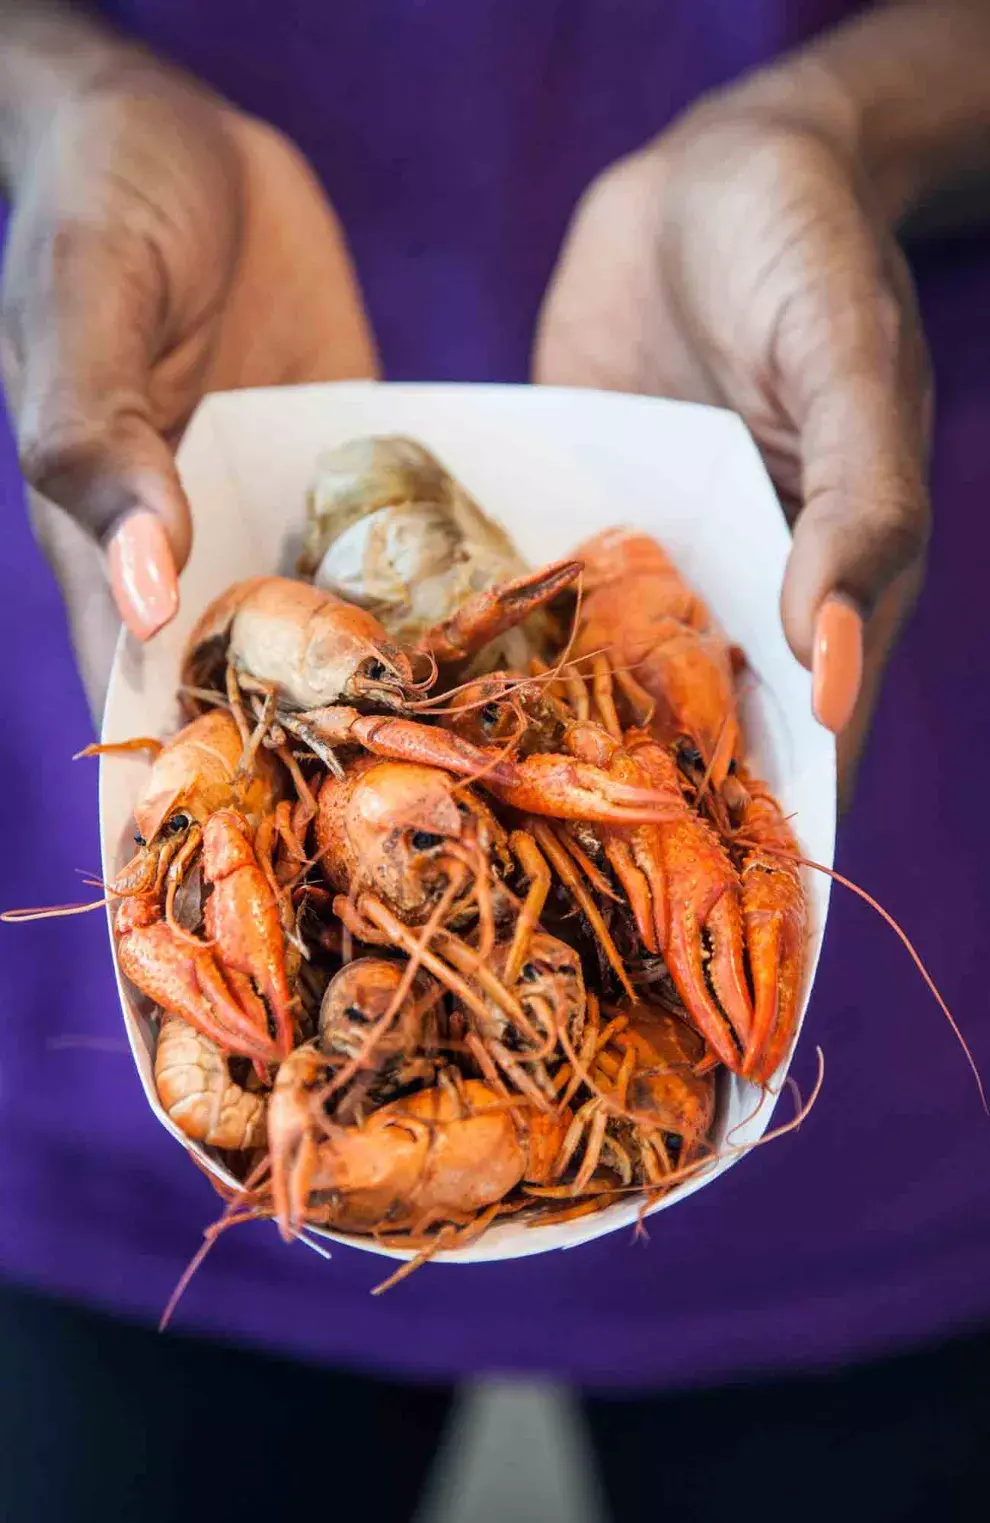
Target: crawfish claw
(490, 613)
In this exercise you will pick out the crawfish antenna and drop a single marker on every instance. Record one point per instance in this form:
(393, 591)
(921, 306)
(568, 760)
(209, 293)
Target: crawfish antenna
(52, 912)
(907, 943)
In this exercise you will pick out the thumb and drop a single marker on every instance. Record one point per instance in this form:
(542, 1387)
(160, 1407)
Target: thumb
(94, 625)
(79, 331)
(861, 535)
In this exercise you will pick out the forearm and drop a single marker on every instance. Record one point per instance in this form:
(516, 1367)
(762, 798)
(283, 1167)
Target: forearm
(905, 89)
(48, 50)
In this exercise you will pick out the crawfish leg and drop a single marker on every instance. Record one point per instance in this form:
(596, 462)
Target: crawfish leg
(304, 795)
(231, 1028)
(486, 1064)
(399, 935)
(597, 879)
(604, 699)
(616, 1154)
(534, 865)
(272, 828)
(473, 965)
(355, 924)
(566, 871)
(244, 992)
(598, 1202)
(571, 1077)
(634, 880)
(139, 743)
(264, 719)
(592, 1149)
(524, 1082)
(264, 850)
(698, 913)
(236, 704)
(312, 739)
(642, 706)
(558, 687)
(173, 878)
(577, 695)
(572, 1138)
(478, 863)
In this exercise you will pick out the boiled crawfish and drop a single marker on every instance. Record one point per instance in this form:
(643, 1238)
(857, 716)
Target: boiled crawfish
(388, 528)
(195, 773)
(439, 1156)
(227, 986)
(305, 650)
(666, 649)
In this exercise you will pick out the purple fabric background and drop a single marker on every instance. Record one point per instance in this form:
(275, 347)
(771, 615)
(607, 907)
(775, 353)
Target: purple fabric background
(454, 139)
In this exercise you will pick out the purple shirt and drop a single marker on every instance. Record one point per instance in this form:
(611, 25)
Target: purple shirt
(454, 140)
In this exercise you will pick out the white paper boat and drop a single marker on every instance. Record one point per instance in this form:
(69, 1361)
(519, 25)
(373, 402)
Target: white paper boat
(553, 466)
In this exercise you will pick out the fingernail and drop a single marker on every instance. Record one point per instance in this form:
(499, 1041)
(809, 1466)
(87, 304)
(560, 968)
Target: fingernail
(837, 664)
(142, 575)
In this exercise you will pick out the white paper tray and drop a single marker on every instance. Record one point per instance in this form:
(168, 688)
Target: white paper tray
(554, 466)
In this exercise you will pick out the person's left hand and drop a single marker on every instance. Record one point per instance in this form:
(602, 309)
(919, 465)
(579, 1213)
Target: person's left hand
(738, 260)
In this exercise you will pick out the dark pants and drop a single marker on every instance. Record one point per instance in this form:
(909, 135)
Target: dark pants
(101, 1421)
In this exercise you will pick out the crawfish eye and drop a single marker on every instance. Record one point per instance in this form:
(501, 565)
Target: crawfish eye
(376, 671)
(489, 713)
(529, 972)
(691, 756)
(732, 768)
(177, 823)
(353, 1013)
(424, 840)
(139, 840)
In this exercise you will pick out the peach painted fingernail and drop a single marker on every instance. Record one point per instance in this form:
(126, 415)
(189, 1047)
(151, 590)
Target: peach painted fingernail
(142, 575)
(837, 664)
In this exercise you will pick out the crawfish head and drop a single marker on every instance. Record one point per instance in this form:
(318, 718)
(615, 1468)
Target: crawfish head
(360, 995)
(504, 708)
(145, 869)
(311, 647)
(550, 986)
(400, 831)
(193, 776)
(352, 654)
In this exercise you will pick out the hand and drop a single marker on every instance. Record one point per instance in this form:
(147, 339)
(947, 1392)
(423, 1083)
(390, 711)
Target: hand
(162, 246)
(738, 261)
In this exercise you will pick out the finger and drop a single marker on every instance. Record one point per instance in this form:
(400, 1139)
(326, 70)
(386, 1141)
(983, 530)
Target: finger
(79, 569)
(313, 327)
(81, 327)
(882, 631)
(861, 415)
(605, 321)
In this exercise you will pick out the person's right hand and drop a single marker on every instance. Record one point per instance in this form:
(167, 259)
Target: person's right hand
(162, 245)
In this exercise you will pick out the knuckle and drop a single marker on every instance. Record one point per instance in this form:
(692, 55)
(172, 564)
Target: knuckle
(57, 458)
(618, 193)
(904, 529)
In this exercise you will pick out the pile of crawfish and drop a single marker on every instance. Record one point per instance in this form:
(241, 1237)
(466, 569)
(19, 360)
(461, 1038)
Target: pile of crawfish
(454, 893)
